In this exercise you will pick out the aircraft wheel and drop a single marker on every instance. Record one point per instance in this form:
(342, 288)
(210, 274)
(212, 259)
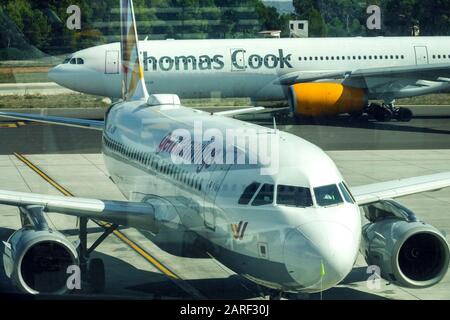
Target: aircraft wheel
(404, 115)
(356, 115)
(275, 295)
(96, 270)
(383, 115)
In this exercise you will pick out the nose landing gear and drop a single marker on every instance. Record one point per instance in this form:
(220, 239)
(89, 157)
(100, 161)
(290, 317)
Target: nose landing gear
(387, 112)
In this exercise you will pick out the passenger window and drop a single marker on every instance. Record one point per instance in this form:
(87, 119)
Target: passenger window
(248, 193)
(346, 192)
(328, 195)
(294, 196)
(265, 195)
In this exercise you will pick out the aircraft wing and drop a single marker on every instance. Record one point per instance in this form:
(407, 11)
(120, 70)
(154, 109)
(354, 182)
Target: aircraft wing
(399, 188)
(236, 112)
(401, 81)
(132, 214)
(69, 122)
(252, 110)
(423, 72)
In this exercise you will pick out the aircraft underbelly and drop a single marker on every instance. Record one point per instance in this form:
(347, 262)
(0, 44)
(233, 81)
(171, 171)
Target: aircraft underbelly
(228, 85)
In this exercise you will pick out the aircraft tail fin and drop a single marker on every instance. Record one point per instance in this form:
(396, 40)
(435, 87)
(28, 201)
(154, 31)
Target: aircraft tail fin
(133, 83)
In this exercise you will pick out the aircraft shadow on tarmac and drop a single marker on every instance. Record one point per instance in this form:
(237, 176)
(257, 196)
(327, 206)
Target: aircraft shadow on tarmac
(349, 122)
(124, 281)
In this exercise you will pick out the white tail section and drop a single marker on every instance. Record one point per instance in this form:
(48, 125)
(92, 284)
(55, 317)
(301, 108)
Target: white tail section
(133, 83)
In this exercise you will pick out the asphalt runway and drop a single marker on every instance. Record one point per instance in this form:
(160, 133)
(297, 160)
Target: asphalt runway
(430, 129)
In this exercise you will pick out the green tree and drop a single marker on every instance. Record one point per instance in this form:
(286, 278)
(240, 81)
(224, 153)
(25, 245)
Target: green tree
(400, 16)
(317, 25)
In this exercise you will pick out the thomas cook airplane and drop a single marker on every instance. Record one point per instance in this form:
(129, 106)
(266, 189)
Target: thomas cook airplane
(319, 77)
(287, 222)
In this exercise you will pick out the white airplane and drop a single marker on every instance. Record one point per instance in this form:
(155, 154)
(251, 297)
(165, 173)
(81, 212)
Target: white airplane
(319, 77)
(289, 225)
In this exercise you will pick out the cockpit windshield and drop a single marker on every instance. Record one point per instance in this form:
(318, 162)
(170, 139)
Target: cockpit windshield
(328, 195)
(264, 196)
(294, 196)
(346, 193)
(73, 61)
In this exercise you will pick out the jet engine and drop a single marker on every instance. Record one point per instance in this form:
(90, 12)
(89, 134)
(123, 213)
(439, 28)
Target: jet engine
(38, 260)
(408, 252)
(326, 99)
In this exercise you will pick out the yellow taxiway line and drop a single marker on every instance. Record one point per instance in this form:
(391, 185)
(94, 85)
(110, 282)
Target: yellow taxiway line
(147, 256)
(12, 124)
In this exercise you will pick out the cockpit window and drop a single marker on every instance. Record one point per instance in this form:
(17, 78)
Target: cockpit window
(294, 196)
(328, 195)
(248, 194)
(265, 195)
(66, 61)
(80, 61)
(73, 61)
(346, 192)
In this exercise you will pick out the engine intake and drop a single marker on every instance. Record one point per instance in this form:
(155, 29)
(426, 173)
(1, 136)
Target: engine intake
(409, 252)
(38, 261)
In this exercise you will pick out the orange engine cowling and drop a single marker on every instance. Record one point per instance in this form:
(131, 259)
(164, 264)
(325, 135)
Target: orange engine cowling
(326, 99)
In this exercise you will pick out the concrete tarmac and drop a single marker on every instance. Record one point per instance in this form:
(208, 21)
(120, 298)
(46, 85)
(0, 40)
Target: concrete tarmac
(430, 129)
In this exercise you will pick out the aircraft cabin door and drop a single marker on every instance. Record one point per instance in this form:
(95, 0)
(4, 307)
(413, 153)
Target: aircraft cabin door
(112, 62)
(421, 55)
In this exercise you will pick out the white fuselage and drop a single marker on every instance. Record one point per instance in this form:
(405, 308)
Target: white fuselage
(281, 246)
(247, 67)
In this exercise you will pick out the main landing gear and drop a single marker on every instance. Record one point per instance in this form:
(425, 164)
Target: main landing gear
(92, 270)
(387, 112)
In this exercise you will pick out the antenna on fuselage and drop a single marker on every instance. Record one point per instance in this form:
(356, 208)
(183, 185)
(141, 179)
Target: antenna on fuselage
(133, 83)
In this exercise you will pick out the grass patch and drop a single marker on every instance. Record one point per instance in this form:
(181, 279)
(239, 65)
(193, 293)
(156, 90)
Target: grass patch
(23, 74)
(53, 101)
(89, 101)
(229, 102)
(432, 99)
(7, 78)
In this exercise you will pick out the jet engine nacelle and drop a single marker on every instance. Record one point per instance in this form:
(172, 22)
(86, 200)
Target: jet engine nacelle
(38, 261)
(326, 99)
(408, 252)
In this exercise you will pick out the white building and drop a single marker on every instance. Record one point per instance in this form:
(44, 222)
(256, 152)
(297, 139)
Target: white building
(299, 28)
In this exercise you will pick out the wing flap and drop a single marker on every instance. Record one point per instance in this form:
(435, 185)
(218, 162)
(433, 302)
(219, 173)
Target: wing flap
(399, 188)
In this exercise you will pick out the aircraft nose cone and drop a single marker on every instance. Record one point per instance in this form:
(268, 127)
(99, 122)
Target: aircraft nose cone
(54, 74)
(319, 255)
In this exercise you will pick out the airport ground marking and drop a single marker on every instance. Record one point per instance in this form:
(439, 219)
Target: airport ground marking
(147, 256)
(12, 124)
